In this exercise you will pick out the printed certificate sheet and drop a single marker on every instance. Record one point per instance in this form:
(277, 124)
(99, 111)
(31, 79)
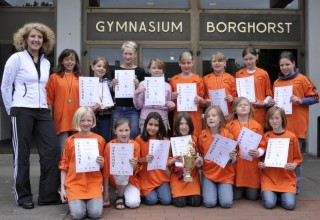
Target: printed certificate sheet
(180, 146)
(120, 154)
(106, 98)
(125, 88)
(220, 149)
(245, 88)
(282, 97)
(155, 91)
(187, 93)
(217, 98)
(88, 91)
(277, 152)
(86, 152)
(160, 151)
(248, 140)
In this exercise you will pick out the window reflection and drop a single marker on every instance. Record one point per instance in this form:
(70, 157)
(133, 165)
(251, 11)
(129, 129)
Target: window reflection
(139, 4)
(27, 3)
(249, 4)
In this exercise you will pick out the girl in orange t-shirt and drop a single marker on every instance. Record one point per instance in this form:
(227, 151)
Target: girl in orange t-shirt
(216, 181)
(247, 172)
(185, 193)
(262, 84)
(186, 64)
(63, 93)
(276, 181)
(155, 186)
(127, 186)
(82, 190)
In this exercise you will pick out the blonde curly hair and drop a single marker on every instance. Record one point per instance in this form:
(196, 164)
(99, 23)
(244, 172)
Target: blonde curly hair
(20, 37)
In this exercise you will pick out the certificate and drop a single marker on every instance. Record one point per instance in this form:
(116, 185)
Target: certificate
(277, 152)
(282, 97)
(120, 155)
(105, 96)
(187, 93)
(160, 151)
(248, 140)
(88, 91)
(125, 87)
(155, 91)
(245, 88)
(86, 152)
(180, 146)
(217, 98)
(220, 149)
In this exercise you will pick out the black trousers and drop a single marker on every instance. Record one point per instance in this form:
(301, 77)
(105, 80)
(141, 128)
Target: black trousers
(37, 123)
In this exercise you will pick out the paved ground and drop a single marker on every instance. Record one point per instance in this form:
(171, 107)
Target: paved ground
(308, 202)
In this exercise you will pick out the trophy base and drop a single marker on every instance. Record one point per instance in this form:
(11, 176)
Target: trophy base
(188, 179)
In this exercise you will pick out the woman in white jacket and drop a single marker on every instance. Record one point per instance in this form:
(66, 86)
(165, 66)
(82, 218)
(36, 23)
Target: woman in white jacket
(24, 95)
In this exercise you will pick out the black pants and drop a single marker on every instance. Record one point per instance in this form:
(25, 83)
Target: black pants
(28, 122)
(182, 201)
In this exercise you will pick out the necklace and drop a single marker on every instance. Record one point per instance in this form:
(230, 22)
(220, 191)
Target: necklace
(69, 89)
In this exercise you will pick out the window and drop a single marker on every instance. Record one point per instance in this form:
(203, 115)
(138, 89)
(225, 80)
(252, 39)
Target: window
(181, 4)
(249, 4)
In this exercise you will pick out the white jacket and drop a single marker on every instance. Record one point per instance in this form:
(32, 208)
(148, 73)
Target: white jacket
(21, 86)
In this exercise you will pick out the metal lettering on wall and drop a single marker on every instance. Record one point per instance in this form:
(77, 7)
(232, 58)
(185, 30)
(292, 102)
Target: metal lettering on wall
(150, 27)
(249, 27)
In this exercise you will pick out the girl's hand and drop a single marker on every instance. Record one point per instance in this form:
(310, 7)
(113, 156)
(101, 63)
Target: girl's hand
(178, 159)
(271, 102)
(100, 161)
(199, 161)
(233, 154)
(96, 107)
(261, 165)
(136, 83)
(199, 100)
(170, 105)
(295, 99)
(134, 163)
(63, 195)
(229, 98)
(290, 166)
(208, 102)
(114, 82)
(258, 103)
(254, 153)
(174, 95)
(147, 159)
(139, 90)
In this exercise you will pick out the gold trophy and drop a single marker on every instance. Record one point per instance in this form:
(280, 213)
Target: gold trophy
(188, 163)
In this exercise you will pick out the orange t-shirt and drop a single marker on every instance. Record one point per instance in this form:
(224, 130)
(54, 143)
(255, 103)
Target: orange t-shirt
(215, 82)
(247, 172)
(211, 170)
(86, 185)
(59, 90)
(280, 179)
(106, 169)
(152, 178)
(298, 120)
(180, 187)
(262, 87)
(195, 115)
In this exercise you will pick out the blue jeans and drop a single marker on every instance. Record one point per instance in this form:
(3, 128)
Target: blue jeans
(161, 194)
(103, 128)
(91, 207)
(132, 114)
(213, 192)
(269, 200)
(298, 170)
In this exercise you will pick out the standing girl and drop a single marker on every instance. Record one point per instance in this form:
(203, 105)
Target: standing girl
(216, 181)
(124, 107)
(219, 79)
(280, 181)
(63, 93)
(155, 183)
(100, 67)
(128, 187)
(247, 179)
(185, 193)
(186, 64)
(157, 69)
(304, 93)
(262, 85)
(82, 191)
